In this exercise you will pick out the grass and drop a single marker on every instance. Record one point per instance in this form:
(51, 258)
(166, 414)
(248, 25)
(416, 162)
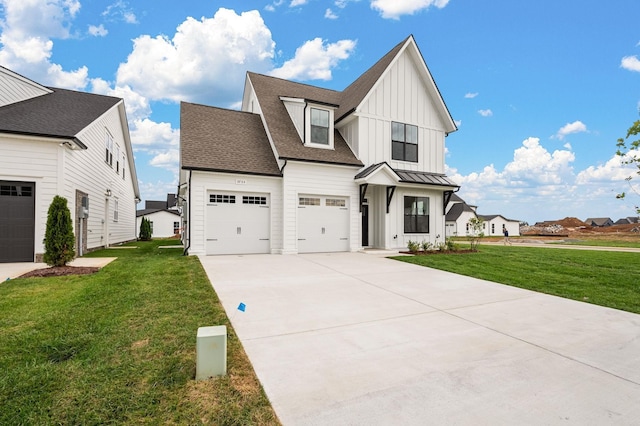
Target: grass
(631, 243)
(118, 347)
(603, 278)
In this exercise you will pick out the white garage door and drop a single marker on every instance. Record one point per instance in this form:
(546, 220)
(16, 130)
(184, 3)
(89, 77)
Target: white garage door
(323, 224)
(237, 223)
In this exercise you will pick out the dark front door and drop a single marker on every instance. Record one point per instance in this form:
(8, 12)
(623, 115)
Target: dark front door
(17, 221)
(365, 225)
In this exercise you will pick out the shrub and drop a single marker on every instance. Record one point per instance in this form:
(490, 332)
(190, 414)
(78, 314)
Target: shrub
(451, 245)
(413, 246)
(426, 246)
(58, 240)
(145, 230)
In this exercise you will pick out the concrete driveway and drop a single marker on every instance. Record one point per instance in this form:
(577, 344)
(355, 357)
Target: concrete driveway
(355, 339)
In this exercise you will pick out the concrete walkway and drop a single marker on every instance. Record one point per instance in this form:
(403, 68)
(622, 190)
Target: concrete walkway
(14, 270)
(356, 339)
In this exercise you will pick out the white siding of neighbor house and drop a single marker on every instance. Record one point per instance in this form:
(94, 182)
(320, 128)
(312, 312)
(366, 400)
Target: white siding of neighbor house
(400, 96)
(15, 88)
(318, 179)
(162, 223)
(202, 182)
(459, 227)
(512, 226)
(56, 170)
(87, 171)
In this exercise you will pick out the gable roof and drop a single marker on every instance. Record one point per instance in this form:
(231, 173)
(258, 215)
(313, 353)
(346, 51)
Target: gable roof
(283, 132)
(60, 114)
(216, 139)
(456, 211)
(145, 212)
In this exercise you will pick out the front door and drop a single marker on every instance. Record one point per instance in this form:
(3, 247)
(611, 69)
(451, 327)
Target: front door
(365, 225)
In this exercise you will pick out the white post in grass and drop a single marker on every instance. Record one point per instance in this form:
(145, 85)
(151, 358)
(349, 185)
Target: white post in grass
(211, 352)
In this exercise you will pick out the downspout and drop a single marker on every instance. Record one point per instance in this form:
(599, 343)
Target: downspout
(186, 249)
(283, 166)
(304, 123)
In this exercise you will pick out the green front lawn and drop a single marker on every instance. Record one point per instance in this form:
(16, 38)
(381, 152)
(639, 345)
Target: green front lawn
(118, 347)
(604, 278)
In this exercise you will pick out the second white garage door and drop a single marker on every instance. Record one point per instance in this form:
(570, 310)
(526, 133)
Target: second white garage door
(323, 224)
(237, 223)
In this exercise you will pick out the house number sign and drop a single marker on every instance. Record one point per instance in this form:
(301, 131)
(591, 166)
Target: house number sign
(241, 182)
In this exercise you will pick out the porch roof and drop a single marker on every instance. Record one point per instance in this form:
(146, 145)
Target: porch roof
(406, 176)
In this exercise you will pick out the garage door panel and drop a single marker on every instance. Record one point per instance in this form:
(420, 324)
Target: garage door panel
(239, 224)
(17, 216)
(323, 224)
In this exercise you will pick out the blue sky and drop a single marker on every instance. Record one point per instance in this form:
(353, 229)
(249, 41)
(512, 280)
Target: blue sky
(540, 90)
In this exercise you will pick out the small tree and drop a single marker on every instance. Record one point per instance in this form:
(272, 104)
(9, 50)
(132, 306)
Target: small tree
(629, 154)
(145, 230)
(476, 232)
(59, 241)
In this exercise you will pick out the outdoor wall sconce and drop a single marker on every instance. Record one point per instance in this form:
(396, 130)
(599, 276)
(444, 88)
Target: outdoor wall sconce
(108, 192)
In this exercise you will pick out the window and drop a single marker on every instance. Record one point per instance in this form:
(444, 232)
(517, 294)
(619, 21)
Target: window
(416, 215)
(404, 142)
(250, 199)
(151, 227)
(176, 228)
(304, 201)
(122, 166)
(108, 144)
(225, 199)
(15, 191)
(115, 210)
(493, 228)
(319, 126)
(335, 202)
(117, 159)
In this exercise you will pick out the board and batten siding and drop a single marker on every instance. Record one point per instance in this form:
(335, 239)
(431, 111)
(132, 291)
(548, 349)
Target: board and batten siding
(203, 182)
(436, 218)
(87, 171)
(318, 179)
(400, 96)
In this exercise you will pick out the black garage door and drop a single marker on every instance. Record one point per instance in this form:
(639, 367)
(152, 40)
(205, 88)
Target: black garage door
(17, 221)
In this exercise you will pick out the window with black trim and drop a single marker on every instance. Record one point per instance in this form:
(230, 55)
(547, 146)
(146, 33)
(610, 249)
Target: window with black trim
(252, 199)
(416, 215)
(220, 198)
(404, 142)
(115, 211)
(176, 228)
(117, 158)
(319, 126)
(108, 145)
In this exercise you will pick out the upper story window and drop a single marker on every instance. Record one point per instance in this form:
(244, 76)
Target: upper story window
(108, 145)
(404, 142)
(319, 126)
(117, 158)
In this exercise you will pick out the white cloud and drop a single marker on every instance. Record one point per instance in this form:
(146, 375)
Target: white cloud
(26, 37)
(393, 9)
(330, 15)
(458, 123)
(570, 128)
(98, 31)
(120, 11)
(205, 58)
(612, 170)
(295, 3)
(315, 59)
(167, 160)
(485, 112)
(147, 133)
(631, 63)
(471, 95)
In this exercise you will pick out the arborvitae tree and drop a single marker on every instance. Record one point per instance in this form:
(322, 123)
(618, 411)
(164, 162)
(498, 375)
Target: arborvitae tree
(145, 230)
(59, 242)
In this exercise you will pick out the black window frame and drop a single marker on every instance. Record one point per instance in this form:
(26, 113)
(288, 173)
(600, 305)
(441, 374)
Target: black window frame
(403, 149)
(415, 223)
(314, 129)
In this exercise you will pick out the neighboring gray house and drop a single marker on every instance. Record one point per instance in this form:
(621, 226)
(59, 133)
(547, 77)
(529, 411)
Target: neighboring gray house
(627, 220)
(163, 215)
(62, 142)
(306, 169)
(598, 222)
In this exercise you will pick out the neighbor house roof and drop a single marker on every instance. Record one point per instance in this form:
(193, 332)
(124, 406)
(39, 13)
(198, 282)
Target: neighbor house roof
(283, 132)
(216, 139)
(456, 210)
(146, 212)
(59, 114)
(598, 221)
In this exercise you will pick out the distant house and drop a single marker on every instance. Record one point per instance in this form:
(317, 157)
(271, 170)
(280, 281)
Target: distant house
(626, 220)
(163, 215)
(493, 225)
(67, 143)
(459, 213)
(599, 222)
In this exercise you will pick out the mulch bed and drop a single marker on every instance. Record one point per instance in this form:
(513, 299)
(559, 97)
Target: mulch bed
(59, 271)
(430, 252)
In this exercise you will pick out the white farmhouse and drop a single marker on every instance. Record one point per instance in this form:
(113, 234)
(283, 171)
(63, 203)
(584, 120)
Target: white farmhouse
(164, 217)
(305, 169)
(61, 142)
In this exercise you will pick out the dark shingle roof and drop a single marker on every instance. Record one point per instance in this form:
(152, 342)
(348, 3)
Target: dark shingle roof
(456, 210)
(61, 114)
(219, 139)
(145, 212)
(281, 127)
